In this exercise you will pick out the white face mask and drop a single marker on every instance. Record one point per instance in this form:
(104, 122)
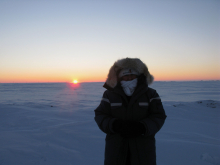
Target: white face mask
(129, 86)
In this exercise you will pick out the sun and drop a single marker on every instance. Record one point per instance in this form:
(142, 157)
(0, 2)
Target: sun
(75, 81)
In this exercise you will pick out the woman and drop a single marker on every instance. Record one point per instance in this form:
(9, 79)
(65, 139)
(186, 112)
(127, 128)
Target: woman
(130, 113)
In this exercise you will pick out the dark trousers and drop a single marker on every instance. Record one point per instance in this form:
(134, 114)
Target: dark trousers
(128, 161)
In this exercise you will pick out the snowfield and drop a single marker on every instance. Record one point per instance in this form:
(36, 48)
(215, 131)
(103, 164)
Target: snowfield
(53, 124)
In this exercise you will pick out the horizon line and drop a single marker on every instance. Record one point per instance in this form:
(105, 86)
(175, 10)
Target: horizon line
(98, 82)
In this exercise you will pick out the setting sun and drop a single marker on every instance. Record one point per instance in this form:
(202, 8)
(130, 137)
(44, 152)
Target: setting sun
(75, 81)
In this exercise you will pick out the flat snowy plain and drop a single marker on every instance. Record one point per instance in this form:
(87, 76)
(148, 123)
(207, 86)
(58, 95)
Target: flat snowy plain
(53, 124)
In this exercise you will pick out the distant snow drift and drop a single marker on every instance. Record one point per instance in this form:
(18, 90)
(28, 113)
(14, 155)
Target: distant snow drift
(53, 124)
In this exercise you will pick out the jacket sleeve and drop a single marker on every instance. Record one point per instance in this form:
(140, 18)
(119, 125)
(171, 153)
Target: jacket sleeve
(156, 119)
(103, 116)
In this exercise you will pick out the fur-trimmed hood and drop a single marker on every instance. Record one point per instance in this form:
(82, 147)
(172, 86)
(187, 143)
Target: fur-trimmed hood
(132, 63)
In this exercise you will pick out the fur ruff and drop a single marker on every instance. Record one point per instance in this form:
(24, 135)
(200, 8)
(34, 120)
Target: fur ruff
(133, 63)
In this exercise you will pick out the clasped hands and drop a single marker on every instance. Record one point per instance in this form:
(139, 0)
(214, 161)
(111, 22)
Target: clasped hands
(128, 129)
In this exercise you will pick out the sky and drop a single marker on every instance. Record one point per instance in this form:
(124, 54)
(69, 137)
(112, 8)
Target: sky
(62, 41)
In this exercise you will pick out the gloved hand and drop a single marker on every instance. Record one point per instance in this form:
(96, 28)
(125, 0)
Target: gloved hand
(132, 129)
(128, 128)
(117, 125)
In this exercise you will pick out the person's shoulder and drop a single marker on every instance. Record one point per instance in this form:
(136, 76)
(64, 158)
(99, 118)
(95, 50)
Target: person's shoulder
(110, 95)
(108, 92)
(152, 93)
(151, 90)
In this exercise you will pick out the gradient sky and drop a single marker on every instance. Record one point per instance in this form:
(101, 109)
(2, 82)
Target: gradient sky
(59, 41)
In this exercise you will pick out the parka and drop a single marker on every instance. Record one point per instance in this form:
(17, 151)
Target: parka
(144, 106)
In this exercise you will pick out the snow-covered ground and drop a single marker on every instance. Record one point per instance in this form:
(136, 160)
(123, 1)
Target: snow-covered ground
(53, 124)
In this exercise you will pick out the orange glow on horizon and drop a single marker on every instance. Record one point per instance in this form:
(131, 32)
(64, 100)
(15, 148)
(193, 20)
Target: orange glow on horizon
(69, 77)
(156, 78)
